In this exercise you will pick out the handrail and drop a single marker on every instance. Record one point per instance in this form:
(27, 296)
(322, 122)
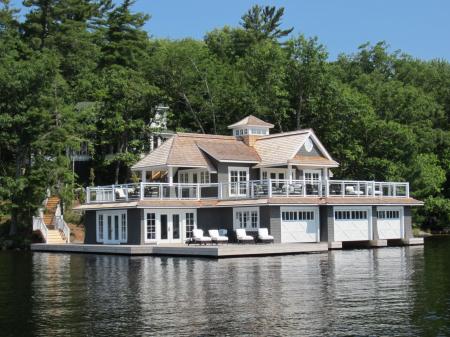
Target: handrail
(39, 225)
(61, 225)
(247, 189)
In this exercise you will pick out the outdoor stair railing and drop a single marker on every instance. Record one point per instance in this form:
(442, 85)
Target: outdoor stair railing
(246, 189)
(39, 225)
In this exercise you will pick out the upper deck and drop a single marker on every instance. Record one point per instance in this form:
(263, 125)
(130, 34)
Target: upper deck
(254, 189)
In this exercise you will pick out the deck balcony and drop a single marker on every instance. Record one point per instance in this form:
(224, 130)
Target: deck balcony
(254, 189)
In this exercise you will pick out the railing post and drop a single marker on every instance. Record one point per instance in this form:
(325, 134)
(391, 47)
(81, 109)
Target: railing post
(270, 188)
(327, 188)
(343, 189)
(161, 191)
(407, 190)
(88, 195)
(358, 188)
(141, 191)
(220, 190)
(198, 191)
(113, 193)
(373, 188)
(179, 191)
(394, 189)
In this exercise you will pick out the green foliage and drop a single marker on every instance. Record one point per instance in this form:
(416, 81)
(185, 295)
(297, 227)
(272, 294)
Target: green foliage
(85, 72)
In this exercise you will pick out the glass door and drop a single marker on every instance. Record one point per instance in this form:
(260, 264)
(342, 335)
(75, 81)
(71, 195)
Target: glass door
(111, 230)
(170, 227)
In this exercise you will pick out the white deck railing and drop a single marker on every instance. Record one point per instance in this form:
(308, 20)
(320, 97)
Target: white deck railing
(39, 225)
(248, 189)
(61, 225)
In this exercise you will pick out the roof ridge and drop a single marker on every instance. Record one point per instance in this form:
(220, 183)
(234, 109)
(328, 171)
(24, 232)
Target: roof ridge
(203, 135)
(282, 134)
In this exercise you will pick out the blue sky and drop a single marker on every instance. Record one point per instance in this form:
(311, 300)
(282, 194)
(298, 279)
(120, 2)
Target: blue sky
(419, 28)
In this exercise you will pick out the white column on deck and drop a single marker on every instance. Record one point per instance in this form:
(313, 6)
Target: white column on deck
(170, 175)
(144, 176)
(290, 173)
(158, 141)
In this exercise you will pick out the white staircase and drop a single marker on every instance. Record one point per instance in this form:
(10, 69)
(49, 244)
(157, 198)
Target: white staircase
(50, 223)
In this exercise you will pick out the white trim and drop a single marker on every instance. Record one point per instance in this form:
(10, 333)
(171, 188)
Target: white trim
(302, 208)
(169, 212)
(367, 208)
(312, 172)
(111, 213)
(248, 223)
(247, 175)
(401, 215)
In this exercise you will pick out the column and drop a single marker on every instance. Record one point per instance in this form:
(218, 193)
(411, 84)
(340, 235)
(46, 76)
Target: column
(143, 176)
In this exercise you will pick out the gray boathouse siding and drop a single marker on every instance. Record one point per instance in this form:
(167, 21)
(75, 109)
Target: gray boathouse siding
(135, 235)
(90, 232)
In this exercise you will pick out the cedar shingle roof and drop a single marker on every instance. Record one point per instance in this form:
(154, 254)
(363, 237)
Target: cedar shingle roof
(312, 161)
(251, 121)
(278, 149)
(229, 151)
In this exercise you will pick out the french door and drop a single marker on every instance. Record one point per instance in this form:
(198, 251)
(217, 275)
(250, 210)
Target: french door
(112, 227)
(170, 227)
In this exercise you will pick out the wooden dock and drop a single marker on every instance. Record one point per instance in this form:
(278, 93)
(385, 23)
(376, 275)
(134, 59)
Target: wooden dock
(210, 251)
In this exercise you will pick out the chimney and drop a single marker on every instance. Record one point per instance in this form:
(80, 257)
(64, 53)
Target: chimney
(250, 139)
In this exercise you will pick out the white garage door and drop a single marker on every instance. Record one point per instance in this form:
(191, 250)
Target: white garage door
(390, 222)
(352, 224)
(300, 224)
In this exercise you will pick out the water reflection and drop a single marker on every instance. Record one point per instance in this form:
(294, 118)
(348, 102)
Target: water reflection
(354, 292)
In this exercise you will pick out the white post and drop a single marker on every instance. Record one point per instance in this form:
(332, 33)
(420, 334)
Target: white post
(220, 190)
(158, 140)
(394, 189)
(144, 176)
(88, 195)
(141, 187)
(290, 173)
(198, 191)
(358, 188)
(407, 190)
(270, 188)
(327, 187)
(170, 175)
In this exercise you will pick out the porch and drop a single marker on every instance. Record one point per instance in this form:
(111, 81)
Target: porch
(253, 189)
(210, 251)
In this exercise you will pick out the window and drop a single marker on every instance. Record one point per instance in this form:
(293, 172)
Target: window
(247, 218)
(312, 175)
(151, 226)
(100, 228)
(194, 177)
(350, 215)
(387, 214)
(205, 177)
(123, 227)
(189, 224)
(238, 181)
(297, 215)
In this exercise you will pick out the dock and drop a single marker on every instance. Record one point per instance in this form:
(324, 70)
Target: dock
(208, 251)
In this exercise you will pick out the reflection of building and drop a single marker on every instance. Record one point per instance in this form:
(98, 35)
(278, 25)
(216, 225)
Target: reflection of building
(248, 180)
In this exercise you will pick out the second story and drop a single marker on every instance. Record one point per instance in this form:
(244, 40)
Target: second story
(250, 163)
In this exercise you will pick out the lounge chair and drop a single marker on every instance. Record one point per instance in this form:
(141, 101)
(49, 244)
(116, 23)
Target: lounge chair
(350, 190)
(216, 237)
(199, 238)
(242, 236)
(120, 194)
(263, 235)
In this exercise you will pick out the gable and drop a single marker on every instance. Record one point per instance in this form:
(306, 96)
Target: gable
(315, 152)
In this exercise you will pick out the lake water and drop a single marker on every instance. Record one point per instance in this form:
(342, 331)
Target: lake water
(401, 291)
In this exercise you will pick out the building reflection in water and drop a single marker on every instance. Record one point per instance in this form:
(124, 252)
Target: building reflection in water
(356, 292)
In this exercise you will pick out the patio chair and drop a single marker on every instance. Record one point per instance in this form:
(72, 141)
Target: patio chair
(350, 190)
(216, 237)
(242, 236)
(263, 235)
(120, 193)
(199, 238)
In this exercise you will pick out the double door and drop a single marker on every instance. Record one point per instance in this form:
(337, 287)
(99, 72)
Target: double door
(170, 227)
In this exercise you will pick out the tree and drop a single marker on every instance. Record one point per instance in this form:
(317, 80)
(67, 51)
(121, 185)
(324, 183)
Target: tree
(264, 23)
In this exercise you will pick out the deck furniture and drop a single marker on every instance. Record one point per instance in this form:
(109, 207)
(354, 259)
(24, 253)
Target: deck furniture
(263, 235)
(120, 193)
(216, 237)
(199, 238)
(350, 190)
(242, 236)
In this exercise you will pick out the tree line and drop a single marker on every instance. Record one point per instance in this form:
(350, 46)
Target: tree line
(76, 72)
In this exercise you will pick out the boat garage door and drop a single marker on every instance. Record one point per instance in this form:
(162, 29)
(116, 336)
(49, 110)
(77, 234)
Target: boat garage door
(352, 224)
(300, 224)
(390, 222)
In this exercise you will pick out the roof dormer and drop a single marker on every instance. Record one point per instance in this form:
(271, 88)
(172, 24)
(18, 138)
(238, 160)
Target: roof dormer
(249, 126)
